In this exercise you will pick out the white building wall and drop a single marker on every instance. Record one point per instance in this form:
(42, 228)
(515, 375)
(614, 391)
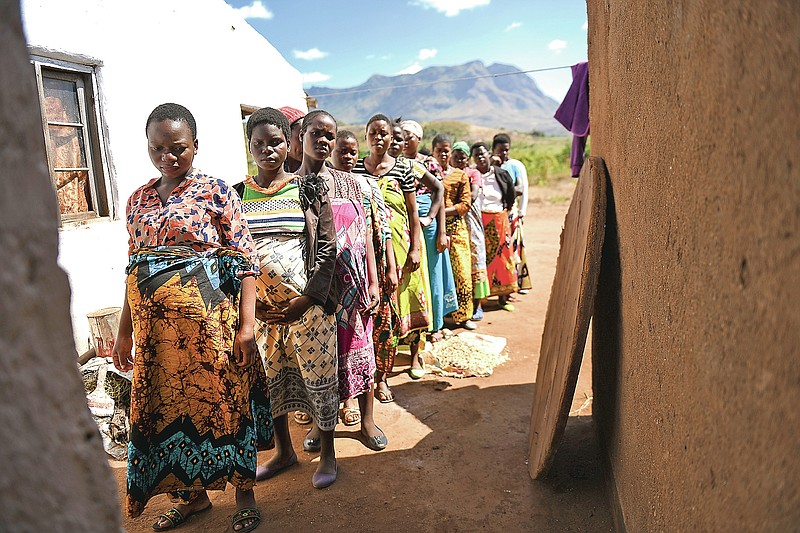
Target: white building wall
(198, 53)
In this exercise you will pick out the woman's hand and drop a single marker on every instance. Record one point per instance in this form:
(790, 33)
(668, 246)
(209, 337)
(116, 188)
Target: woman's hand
(412, 261)
(245, 349)
(425, 221)
(122, 353)
(442, 242)
(264, 313)
(392, 280)
(374, 299)
(297, 308)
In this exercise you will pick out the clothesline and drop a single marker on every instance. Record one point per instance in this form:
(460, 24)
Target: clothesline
(438, 81)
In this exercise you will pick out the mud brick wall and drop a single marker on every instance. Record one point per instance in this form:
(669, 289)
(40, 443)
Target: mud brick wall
(54, 474)
(696, 333)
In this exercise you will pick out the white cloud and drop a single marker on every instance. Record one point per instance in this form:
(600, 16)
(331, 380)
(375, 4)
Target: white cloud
(557, 45)
(412, 69)
(315, 77)
(310, 54)
(513, 26)
(427, 53)
(585, 26)
(450, 8)
(256, 10)
(381, 58)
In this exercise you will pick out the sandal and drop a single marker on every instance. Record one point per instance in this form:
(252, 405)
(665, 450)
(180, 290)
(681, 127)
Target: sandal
(384, 396)
(350, 416)
(302, 418)
(243, 515)
(175, 518)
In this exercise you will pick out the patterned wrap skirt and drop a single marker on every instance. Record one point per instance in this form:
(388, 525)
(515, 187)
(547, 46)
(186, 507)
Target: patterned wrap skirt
(500, 268)
(480, 281)
(520, 258)
(461, 258)
(300, 357)
(353, 329)
(408, 304)
(193, 423)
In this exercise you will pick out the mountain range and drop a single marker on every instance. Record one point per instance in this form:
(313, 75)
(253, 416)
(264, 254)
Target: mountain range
(490, 96)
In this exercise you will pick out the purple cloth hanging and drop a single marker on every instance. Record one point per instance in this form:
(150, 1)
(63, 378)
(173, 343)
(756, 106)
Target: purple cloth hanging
(573, 114)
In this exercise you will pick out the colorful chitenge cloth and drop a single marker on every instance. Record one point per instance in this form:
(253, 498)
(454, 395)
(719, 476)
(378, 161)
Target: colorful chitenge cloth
(193, 419)
(520, 257)
(409, 305)
(353, 326)
(477, 242)
(500, 268)
(299, 357)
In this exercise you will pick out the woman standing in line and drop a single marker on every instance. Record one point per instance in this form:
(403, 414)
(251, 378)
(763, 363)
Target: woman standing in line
(406, 301)
(292, 223)
(295, 155)
(496, 198)
(192, 428)
(501, 145)
(356, 271)
(435, 242)
(344, 158)
(457, 201)
(480, 285)
(432, 218)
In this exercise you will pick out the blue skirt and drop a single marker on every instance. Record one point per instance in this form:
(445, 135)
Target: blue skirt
(443, 287)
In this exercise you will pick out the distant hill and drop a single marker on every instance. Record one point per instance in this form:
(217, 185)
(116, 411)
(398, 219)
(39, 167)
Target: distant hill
(512, 102)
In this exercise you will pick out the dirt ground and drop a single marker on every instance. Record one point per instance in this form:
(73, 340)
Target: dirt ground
(457, 455)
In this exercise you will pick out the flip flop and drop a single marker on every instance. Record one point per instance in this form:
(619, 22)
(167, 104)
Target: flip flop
(383, 397)
(175, 518)
(242, 515)
(350, 416)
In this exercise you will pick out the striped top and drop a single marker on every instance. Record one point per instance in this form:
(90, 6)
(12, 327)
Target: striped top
(274, 210)
(401, 172)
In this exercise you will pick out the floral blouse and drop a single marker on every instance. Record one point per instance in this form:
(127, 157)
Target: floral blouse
(203, 213)
(457, 191)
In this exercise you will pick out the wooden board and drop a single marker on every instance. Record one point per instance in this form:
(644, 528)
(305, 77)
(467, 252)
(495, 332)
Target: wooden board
(568, 313)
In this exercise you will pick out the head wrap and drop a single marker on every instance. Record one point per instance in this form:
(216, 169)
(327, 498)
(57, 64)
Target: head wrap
(461, 145)
(291, 114)
(412, 127)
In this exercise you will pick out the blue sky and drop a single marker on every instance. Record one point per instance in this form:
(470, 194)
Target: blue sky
(342, 44)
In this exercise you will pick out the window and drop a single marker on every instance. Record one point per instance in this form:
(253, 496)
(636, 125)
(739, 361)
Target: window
(72, 140)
